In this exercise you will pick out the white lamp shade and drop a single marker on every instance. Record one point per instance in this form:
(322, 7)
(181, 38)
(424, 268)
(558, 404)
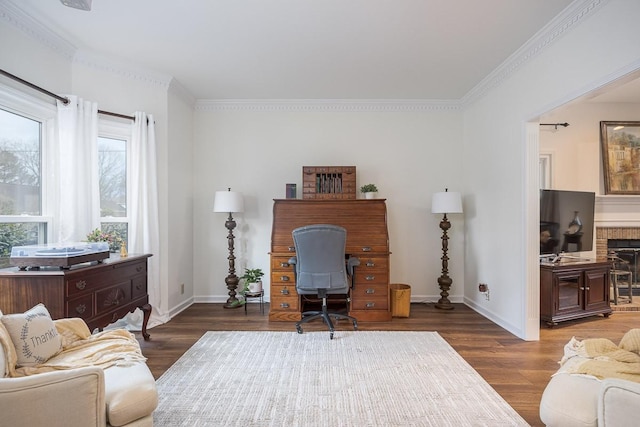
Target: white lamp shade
(446, 202)
(228, 201)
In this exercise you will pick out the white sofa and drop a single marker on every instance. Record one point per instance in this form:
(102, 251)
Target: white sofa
(118, 393)
(580, 400)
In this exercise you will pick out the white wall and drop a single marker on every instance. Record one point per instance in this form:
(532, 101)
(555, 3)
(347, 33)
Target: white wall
(25, 57)
(409, 155)
(179, 226)
(498, 157)
(576, 149)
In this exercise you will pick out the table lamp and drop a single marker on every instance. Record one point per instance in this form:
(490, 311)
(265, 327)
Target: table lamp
(444, 203)
(230, 201)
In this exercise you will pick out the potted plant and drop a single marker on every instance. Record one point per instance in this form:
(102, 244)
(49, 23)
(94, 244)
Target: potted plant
(369, 191)
(252, 280)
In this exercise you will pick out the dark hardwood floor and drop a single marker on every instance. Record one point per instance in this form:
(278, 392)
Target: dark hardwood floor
(518, 370)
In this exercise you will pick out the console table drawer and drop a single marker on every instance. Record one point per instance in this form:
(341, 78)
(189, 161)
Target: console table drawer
(78, 282)
(113, 297)
(81, 307)
(139, 286)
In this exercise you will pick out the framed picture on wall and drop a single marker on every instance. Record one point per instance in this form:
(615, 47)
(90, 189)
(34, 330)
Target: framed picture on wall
(621, 157)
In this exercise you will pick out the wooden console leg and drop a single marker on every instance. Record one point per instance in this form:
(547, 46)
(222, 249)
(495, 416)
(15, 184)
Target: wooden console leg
(146, 310)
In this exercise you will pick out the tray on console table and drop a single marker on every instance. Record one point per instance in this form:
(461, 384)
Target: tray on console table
(100, 294)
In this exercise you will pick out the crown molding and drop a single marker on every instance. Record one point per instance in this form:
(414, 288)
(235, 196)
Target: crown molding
(181, 92)
(327, 105)
(572, 16)
(113, 66)
(568, 19)
(16, 17)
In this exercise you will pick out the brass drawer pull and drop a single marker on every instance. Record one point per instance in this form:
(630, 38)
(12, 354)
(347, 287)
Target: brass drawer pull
(284, 305)
(292, 248)
(284, 278)
(284, 264)
(81, 285)
(370, 291)
(370, 304)
(370, 277)
(366, 249)
(139, 268)
(285, 292)
(371, 263)
(81, 309)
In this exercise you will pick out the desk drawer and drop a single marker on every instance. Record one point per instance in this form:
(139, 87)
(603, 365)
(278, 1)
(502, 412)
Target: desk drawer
(283, 277)
(281, 263)
(380, 302)
(369, 291)
(285, 303)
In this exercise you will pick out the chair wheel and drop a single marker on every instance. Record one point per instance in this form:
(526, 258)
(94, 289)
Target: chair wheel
(355, 325)
(299, 329)
(331, 335)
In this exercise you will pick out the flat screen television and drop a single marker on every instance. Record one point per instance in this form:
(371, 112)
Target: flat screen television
(566, 221)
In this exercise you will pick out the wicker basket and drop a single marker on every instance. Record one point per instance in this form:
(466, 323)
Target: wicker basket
(400, 299)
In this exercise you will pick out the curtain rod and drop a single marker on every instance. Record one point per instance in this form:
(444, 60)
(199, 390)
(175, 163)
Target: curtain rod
(58, 97)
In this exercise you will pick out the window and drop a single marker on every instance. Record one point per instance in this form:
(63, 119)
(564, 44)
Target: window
(23, 130)
(26, 197)
(113, 144)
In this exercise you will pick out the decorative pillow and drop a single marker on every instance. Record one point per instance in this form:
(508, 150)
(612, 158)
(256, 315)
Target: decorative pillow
(34, 335)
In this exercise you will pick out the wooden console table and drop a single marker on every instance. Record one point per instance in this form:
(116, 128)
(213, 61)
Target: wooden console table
(99, 293)
(367, 239)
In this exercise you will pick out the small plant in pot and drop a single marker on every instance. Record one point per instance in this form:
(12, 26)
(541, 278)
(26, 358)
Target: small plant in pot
(369, 191)
(252, 280)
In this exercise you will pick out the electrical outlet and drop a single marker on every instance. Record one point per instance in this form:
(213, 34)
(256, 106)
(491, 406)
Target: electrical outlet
(482, 287)
(182, 288)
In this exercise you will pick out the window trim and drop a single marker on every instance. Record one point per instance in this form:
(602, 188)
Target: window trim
(122, 131)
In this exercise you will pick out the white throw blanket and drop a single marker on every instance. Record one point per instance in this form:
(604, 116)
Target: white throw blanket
(602, 358)
(81, 348)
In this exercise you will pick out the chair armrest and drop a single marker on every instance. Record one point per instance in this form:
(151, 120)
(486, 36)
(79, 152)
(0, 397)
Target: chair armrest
(68, 398)
(351, 263)
(618, 403)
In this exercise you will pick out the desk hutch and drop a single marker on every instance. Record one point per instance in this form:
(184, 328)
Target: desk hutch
(367, 239)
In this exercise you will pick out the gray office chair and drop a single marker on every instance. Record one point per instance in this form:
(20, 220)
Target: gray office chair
(320, 268)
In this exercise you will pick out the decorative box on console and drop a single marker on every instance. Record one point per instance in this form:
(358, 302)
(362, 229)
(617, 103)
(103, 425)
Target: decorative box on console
(63, 255)
(328, 182)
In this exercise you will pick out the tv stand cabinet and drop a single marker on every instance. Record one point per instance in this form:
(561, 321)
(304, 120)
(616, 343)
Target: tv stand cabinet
(572, 290)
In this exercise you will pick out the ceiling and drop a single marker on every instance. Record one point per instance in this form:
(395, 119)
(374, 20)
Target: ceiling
(305, 49)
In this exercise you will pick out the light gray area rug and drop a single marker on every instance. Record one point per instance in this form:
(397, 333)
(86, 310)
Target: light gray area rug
(359, 378)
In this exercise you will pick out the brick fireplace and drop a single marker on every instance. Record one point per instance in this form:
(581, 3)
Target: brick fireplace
(604, 234)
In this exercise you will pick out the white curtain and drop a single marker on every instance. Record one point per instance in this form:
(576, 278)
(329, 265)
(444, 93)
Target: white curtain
(144, 230)
(76, 170)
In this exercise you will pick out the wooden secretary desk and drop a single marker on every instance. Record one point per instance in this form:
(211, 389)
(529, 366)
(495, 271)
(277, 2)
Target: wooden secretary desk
(367, 239)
